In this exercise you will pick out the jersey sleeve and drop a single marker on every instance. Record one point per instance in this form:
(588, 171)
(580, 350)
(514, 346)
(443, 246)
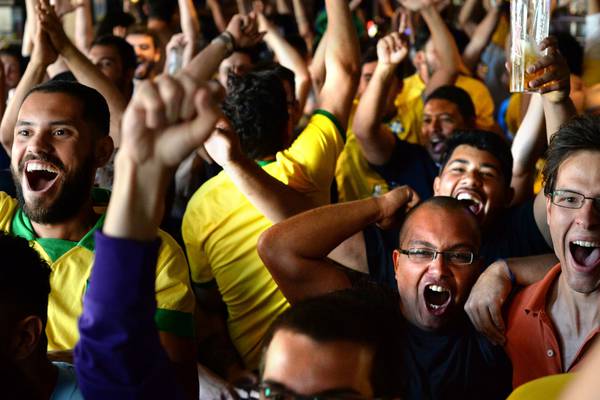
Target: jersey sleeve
(174, 296)
(309, 164)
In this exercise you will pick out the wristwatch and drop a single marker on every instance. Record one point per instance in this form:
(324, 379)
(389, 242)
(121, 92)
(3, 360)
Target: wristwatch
(228, 40)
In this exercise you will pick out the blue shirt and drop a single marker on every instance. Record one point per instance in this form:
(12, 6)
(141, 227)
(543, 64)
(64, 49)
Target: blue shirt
(66, 385)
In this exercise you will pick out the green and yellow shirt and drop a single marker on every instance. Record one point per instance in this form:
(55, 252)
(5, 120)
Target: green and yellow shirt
(71, 265)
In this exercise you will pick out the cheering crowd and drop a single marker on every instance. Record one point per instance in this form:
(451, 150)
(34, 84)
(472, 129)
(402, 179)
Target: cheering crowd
(298, 200)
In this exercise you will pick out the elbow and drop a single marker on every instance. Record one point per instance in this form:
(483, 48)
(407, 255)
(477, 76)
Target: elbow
(268, 251)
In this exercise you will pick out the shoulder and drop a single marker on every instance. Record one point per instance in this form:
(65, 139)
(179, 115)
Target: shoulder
(8, 207)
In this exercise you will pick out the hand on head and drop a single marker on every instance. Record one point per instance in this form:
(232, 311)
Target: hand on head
(394, 205)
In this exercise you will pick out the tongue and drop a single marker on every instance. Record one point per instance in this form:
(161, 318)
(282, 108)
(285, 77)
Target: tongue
(472, 206)
(40, 180)
(586, 256)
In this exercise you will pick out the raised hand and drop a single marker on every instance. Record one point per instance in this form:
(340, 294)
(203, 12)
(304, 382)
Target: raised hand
(394, 205)
(167, 119)
(223, 145)
(415, 5)
(244, 29)
(51, 24)
(392, 49)
(64, 7)
(555, 81)
(43, 52)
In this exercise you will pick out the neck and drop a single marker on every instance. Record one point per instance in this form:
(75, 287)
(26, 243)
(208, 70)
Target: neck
(73, 229)
(41, 374)
(581, 309)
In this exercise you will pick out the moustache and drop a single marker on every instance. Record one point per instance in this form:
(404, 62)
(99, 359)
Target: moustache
(55, 161)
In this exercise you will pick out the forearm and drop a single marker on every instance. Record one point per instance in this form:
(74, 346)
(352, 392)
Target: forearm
(529, 270)
(557, 114)
(480, 39)
(282, 7)
(84, 31)
(190, 24)
(241, 5)
(275, 200)
(527, 147)
(206, 63)
(127, 216)
(217, 14)
(376, 144)
(465, 14)
(291, 59)
(304, 27)
(34, 75)
(88, 74)
(443, 42)
(317, 65)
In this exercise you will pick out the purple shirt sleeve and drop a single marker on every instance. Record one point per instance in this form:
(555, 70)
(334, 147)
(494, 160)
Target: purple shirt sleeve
(119, 354)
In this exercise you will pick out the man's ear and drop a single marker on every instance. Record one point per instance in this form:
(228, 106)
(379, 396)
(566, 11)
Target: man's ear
(103, 150)
(26, 337)
(395, 257)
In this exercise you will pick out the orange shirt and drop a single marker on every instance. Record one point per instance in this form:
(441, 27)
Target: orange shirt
(532, 342)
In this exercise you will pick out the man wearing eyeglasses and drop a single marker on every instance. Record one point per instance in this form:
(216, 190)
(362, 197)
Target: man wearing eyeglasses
(552, 323)
(436, 263)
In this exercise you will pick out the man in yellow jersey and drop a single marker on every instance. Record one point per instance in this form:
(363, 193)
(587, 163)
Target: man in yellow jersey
(221, 227)
(60, 139)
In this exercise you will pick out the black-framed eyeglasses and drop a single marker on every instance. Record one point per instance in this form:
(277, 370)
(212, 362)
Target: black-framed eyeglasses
(422, 255)
(573, 200)
(277, 392)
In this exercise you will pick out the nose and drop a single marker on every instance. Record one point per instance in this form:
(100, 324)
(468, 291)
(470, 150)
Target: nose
(471, 178)
(39, 142)
(587, 216)
(439, 266)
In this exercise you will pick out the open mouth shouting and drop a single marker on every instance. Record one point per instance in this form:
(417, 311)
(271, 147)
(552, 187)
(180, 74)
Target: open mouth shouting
(585, 254)
(40, 176)
(438, 143)
(471, 200)
(437, 298)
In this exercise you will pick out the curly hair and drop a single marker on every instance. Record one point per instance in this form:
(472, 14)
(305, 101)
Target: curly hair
(257, 108)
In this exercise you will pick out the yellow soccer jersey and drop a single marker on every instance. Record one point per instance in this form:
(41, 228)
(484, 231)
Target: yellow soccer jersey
(221, 228)
(71, 265)
(410, 104)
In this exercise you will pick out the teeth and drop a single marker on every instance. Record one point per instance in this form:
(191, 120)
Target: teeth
(36, 166)
(467, 196)
(583, 243)
(433, 306)
(437, 288)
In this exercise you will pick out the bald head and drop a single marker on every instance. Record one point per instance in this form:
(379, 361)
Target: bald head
(439, 206)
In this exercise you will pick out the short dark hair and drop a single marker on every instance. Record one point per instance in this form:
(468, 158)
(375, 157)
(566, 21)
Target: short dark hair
(95, 108)
(143, 30)
(482, 140)
(444, 202)
(125, 50)
(580, 133)
(257, 108)
(455, 95)
(285, 74)
(24, 280)
(367, 316)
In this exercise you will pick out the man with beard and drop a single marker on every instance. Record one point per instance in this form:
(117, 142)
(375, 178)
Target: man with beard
(60, 139)
(147, 49)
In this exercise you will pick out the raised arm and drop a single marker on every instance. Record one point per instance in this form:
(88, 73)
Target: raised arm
(296, 250)
(288, 57)
(84, 27)
(377, 142)
(304, 27)
(527, 147)
(119, 352)
(190, 27)
(481, 37)
(464, 17)
(241, 32)
(217, 14)
(272, 198)
(42, 56)
(342, 62)
(443, 42)
(83, 69)
(317, 65)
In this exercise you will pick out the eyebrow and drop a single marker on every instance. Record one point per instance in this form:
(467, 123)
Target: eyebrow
(451, 248)
(486, 165)
(52, 123)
